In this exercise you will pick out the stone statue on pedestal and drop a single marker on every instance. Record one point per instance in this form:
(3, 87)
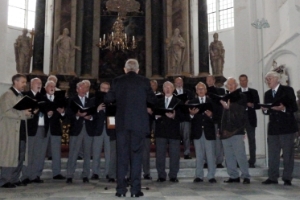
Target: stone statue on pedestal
(23, 52)
(217, 54)
(176, 51)
(65, 47)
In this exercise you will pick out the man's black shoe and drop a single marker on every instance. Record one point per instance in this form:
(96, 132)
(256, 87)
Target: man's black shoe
(111, 180)
(19, 183)
(69, 180)
(37, 180)
(232, 180)
(8, 185)
(197, 180)
(246, 181)
(268, 182)
(287, 182)
(50, 158)
(205, 166)
(220, 166)
(26, 181)
(59, 177)
(95, 177)
(85, 180)
(174, 180)
(139, 194)
(79, 158)
(187, 157)
(212, 180)
(120, 195)
(251, 166)
(161, 180)
(147, 177)
(107, 177)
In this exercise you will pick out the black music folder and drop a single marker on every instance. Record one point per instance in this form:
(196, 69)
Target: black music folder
(183, 97)
(27, 103)
(110, 109)
(249, 96)
(281, 100)
(89, 110)
(233, 96)
(163, 111)
(202, 107)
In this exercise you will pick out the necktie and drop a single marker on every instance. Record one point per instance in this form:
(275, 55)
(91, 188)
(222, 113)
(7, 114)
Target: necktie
(51, 97)
(273, 92)
(166, 102)
(82, 100)
(201, 100)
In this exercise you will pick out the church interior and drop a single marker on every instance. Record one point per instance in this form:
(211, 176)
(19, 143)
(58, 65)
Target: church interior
(92, 39)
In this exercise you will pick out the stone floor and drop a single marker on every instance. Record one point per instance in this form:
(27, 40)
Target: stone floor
(185, 189)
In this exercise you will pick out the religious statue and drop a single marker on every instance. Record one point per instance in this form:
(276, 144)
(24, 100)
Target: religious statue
(23, 52)
(217, 54)
(281, 69)
(176, 51)
(65, 47)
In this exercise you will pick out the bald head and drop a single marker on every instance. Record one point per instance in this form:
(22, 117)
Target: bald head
(178, 82)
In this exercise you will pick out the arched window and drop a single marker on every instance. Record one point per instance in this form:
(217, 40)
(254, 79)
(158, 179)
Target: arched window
(220, 14)
(21, 13)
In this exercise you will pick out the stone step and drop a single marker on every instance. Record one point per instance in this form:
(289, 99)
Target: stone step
(191, 163)
(187, 169)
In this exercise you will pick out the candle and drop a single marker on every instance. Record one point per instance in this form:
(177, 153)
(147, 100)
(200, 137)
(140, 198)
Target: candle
(104, 37)
(125, 36)
(100, 40)
(132, 38)
(112, 34)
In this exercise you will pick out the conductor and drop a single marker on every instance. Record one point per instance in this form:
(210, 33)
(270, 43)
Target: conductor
(131, 93)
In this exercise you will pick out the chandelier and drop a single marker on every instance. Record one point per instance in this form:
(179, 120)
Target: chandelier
(123, 6)
(118, 39)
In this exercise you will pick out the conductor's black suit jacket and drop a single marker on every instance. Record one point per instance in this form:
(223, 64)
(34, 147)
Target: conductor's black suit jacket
(251, 111)
(131, 93)
(282, 122)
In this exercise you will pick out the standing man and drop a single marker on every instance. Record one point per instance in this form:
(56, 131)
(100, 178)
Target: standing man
(82, 131)
(252, 105)
(101, 138)
(212, 89)
(185, 125)
(36, 134)
(131, 93)
(13, 133)
(203, 131)
(281, 128)
(232, 134)
(167, 134)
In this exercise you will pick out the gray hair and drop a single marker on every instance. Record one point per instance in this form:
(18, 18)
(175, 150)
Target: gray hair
(132, 65)
(168, 82)
(154, 81)
(200, 83)
(79, 84)
(34, 79)
(49, 82)
(231, 78)
(52, 76)
(87, 82)
(273, 74)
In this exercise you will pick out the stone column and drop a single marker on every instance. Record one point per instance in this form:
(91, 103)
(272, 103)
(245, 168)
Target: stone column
(203, 38)
(39, 38)
(56, 32)
(194, 37)
(79, 29)
(148, 22)
(157, 37)
(96, 35)
(87, 38)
